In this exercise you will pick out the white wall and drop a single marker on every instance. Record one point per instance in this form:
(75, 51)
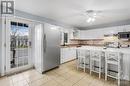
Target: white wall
(40, 19)
(0, 42)
(99, 33)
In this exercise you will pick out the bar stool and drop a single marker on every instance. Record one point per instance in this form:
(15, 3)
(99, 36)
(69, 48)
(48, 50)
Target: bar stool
(87, 59)
(96, 56)
(115, 59)
(83, 58)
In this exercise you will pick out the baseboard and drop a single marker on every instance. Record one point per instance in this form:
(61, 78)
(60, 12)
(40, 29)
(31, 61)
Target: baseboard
(20, 71)
(50, 69)
(69, 61)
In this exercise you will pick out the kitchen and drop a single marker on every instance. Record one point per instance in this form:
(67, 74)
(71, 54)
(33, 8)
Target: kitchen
(65, 43)
(109, 39)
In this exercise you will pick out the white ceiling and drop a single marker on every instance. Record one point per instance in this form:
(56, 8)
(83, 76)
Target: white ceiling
(71, 12)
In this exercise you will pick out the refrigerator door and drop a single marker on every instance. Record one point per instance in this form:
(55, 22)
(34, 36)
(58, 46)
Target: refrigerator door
(51, 44)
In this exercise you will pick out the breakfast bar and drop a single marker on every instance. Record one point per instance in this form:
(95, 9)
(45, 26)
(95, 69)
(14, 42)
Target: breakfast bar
(125, 58)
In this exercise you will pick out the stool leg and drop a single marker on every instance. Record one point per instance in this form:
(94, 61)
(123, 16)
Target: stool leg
(99, 69)
(90, 67)
(106, 71)
(84, 64)
(118, 74)
(78, 64)
(118, 78)
(89, 64)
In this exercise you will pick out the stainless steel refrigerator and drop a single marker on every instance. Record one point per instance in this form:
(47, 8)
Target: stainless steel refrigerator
(51, 47)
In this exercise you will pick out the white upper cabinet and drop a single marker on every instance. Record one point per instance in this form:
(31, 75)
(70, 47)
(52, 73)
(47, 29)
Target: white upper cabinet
(126, 28)
(99, 33)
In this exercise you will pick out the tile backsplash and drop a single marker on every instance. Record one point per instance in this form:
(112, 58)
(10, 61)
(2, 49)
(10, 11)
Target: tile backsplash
(102, 42)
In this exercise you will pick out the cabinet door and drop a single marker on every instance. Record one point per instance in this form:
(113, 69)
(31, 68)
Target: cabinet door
(126, 28)
(68, 54)
(74, 54)
(64, 55)
(61, 55)
(71, 54)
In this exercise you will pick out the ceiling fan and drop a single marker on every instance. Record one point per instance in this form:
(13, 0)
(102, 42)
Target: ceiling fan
(92, 15)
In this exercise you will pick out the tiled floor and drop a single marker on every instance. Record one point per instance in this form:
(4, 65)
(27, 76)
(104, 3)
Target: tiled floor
(65, 75)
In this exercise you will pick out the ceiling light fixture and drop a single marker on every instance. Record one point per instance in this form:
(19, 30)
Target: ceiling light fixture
(90, 20)
(91, 14)
(93, 19)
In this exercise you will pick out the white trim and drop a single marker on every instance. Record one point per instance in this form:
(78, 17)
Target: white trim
(3, 48)
(19, 69)
(6, 50)
(30, 20)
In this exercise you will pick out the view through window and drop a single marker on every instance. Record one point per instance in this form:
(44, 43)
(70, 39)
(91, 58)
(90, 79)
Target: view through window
(19, 44)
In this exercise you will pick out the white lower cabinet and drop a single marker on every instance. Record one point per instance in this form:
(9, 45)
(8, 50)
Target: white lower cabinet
(67, 54)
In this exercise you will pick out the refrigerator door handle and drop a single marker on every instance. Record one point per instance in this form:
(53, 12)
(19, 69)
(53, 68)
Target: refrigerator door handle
(44, 43)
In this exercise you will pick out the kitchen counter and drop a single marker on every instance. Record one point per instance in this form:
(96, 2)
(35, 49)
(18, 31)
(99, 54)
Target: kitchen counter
(70, 45)
(122, 50)
(126, 58)
(78, 45)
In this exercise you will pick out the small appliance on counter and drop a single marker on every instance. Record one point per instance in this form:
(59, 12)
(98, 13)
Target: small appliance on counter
(124, 35)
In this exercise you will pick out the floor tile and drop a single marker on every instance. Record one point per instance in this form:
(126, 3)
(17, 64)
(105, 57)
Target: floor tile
(51, 83)
(67, 83)
(66, 75)
(21, 83)
(4, 81)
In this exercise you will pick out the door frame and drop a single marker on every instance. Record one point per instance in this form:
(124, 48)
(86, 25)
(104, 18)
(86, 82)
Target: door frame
(7, 68)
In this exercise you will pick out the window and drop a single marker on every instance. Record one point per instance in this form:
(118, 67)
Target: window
(19, 44)
(65, 37)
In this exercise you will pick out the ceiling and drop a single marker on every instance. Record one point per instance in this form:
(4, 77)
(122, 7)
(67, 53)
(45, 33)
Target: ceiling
(71, 12)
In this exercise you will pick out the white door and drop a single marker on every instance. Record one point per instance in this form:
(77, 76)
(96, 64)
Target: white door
(18, 45)
(38, 60)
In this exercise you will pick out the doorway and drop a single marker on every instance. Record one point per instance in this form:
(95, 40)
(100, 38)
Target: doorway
(18, 45)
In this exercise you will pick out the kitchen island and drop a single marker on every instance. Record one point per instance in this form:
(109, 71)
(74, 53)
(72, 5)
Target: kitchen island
(126, 58)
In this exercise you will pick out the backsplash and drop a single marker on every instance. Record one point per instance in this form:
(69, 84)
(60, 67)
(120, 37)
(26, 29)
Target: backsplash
(113, 41)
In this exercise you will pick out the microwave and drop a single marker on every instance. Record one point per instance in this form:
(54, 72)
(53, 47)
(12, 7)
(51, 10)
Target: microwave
(124, 35)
